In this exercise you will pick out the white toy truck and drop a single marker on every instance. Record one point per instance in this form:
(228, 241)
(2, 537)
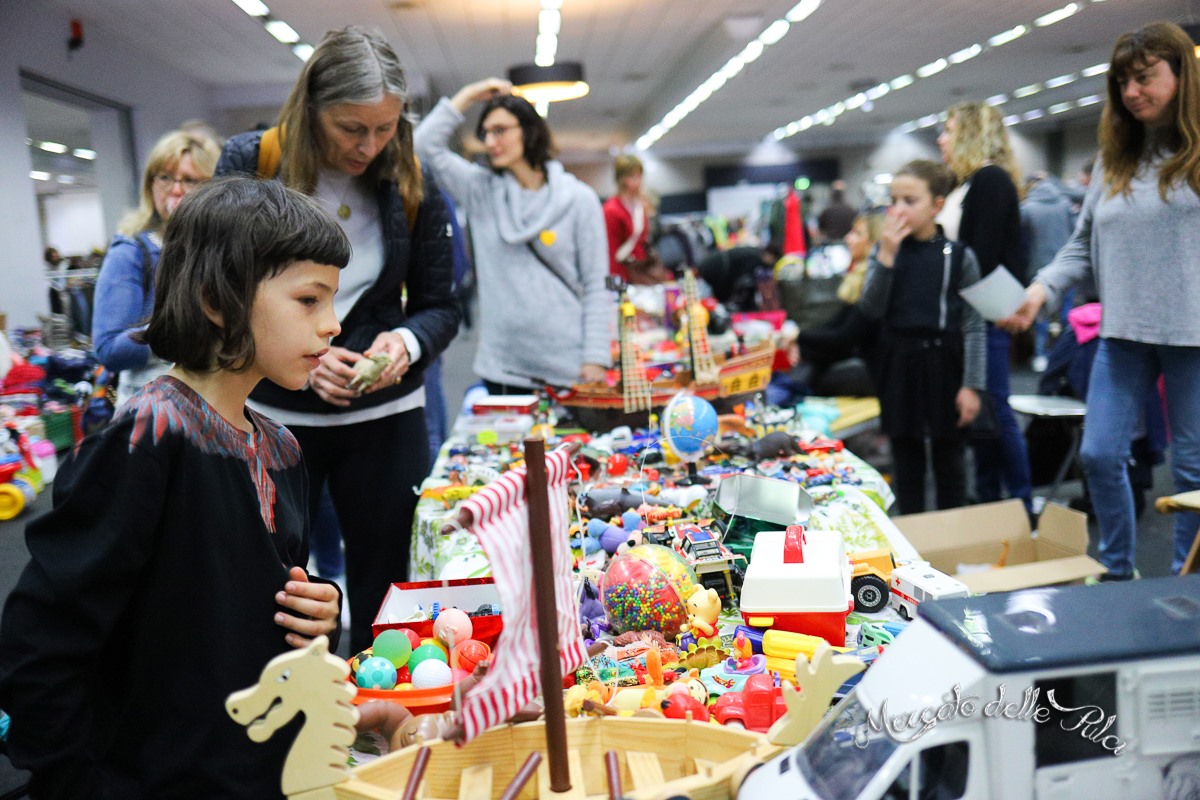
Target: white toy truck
(1079, 693)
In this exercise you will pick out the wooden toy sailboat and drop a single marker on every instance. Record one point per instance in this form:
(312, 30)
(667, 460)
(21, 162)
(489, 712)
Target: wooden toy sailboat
(723, 379)
(584, 758)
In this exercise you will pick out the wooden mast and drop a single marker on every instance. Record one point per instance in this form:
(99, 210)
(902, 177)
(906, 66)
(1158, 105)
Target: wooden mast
(541, 545)
(635, 389)
(704, 368)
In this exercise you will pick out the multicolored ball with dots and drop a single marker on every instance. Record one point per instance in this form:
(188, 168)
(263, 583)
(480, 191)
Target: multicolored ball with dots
(645, 589)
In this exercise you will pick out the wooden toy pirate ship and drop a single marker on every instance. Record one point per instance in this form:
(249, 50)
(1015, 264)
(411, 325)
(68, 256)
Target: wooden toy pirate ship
(723, 379)
(593, 757)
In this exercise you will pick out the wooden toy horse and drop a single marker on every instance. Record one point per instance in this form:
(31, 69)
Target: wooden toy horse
(312, 682)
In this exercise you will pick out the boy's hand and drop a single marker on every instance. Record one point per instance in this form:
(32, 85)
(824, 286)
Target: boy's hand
(895, 229)
(315, 605)
(967, 403)
(331, 379)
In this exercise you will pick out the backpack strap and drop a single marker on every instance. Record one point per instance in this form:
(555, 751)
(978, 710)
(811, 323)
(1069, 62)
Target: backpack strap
(270, 152)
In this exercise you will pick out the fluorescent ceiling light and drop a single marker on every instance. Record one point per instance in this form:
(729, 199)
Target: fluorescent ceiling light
(856, 102)
(52, 147)
(1059, 108)
(876, 92)
(1090, 100)
(1012, 119)
(252, 7)
(1027, 91)
(752, 51)
(1008, 36)
(907, 127)
(282, 31)
(802, 10)
(1036, 113)
(901, 81)
(774, 32)
(84, 153)
(966, 54)
(1061, 80)
(66, 179)
(996, 100)
(38, 175)
(1091, 72)
(883, 178)
(932, 68)
(303, 51)
(549, 21)
(1056, 16)
(927, 121)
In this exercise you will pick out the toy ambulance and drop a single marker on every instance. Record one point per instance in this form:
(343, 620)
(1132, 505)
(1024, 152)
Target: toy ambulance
(798, 580)
(916, 582)
(1075, 693)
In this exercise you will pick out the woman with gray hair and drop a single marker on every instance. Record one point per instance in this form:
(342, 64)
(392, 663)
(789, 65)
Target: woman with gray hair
(343, 138)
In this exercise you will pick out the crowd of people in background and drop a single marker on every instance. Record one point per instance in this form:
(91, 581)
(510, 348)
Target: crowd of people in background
(258, 276)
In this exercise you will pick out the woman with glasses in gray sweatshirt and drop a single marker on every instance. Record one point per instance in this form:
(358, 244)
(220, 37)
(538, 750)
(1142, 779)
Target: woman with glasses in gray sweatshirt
(540, 244)
(1139, 236)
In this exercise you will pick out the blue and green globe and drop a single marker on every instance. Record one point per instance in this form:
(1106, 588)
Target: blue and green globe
(689, 424)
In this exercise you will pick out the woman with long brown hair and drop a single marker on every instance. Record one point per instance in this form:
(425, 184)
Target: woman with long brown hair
(1139, 237)
(343, 138)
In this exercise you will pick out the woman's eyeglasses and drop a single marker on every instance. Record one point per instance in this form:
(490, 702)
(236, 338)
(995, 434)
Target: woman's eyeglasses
(496, 131)
(164, 182)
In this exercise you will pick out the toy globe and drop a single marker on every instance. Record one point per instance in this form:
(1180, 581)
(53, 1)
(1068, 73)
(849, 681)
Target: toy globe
(689, 424)
(645, 588)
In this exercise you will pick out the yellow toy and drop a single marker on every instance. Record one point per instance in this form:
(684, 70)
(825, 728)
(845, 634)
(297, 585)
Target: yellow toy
(703, 609)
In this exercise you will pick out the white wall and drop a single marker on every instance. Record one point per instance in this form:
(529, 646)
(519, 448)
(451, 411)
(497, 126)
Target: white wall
(75, 222)
(33, 38)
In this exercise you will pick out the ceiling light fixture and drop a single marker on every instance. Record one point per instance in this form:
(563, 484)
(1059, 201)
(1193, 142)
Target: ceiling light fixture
(1056, 16)
(966, 54)
(1027, 91)
(254, 8)
(1091, 99)
(52, 147)
(303, 51)
(556, 83)
(902, 81)
(1008, 35)
(1062, 80)
(932, 68)
(66, 179)
(1036, 113)
(281, 31)
(1059, 108)
(84, 153)
(996, 100)
(38, 175)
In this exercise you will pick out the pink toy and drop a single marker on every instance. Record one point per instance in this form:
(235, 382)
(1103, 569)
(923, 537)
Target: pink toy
(451, 626)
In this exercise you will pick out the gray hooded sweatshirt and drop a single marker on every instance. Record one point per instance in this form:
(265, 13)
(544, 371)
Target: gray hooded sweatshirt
(541, 316)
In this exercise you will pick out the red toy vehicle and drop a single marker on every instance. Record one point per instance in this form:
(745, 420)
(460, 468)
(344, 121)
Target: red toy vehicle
(755, 707)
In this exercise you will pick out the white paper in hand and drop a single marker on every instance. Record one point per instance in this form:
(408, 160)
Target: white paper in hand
(997, 296)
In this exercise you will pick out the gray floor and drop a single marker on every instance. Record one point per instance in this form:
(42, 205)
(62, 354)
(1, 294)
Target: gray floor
(1153, 547)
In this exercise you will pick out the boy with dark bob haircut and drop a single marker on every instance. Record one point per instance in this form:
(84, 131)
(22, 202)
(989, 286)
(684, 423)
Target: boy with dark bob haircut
(171, 567)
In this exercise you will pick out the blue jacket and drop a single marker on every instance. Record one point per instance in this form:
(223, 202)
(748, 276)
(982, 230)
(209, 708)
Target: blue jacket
(418, 264)
(1047, 222)
(123, 302)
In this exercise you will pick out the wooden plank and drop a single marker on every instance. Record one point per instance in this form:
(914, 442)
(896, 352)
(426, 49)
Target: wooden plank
(476, 782)
(644, 770)
(704, 766)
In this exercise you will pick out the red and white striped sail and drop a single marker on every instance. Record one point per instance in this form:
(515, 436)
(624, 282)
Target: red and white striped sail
(501, 517)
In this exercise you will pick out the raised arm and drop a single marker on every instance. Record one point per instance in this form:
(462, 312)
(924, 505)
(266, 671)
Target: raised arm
(432, 138)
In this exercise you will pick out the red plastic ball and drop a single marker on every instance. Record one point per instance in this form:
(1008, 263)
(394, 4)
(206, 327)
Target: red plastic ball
(403, 675)
(618, 463)
(469, 653)
(412, 637)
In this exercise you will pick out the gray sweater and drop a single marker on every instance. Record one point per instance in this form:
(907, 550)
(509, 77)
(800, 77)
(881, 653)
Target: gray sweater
(1144, 255)
(536, 320)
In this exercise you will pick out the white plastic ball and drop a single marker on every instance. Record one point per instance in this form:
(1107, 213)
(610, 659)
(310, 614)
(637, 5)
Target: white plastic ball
(430, 674)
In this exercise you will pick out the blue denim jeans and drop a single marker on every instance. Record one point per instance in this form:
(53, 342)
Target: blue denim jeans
(1005, 457)
(1122, 374)
(436, 417)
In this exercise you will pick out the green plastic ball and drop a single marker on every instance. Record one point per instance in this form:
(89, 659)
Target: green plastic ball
(394, 646)
(424, 653)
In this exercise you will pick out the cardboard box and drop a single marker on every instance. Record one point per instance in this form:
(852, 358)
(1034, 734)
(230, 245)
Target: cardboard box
(1056, 553)
(402, 599)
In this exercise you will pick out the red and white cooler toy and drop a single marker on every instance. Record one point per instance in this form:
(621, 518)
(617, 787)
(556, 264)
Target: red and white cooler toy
(799, 580)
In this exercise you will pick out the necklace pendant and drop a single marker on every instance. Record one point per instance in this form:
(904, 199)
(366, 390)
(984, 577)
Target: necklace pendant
(343, 211)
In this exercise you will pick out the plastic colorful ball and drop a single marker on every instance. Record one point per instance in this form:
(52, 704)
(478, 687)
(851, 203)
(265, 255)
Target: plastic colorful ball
(431, 673)
(414, 638)
(466, 655)
(376, 673)
(452, 626)
(645, 589)
(403, 675)
(425, 652)
(436, 643)
(394, 646)
(618, 463)
(359, 658)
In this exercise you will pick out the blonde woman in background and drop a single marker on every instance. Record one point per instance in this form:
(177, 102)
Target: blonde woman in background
(984, 213)
(179, 162)
(836, 359)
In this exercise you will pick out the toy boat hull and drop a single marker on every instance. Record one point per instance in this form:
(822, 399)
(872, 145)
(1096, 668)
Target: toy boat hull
(598, 406)
(659, 758)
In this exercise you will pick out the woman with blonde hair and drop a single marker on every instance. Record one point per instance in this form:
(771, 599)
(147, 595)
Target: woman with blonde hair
(984, 213)
(343, 138)
(1138, 235)
(178, 163)
(837, 358)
